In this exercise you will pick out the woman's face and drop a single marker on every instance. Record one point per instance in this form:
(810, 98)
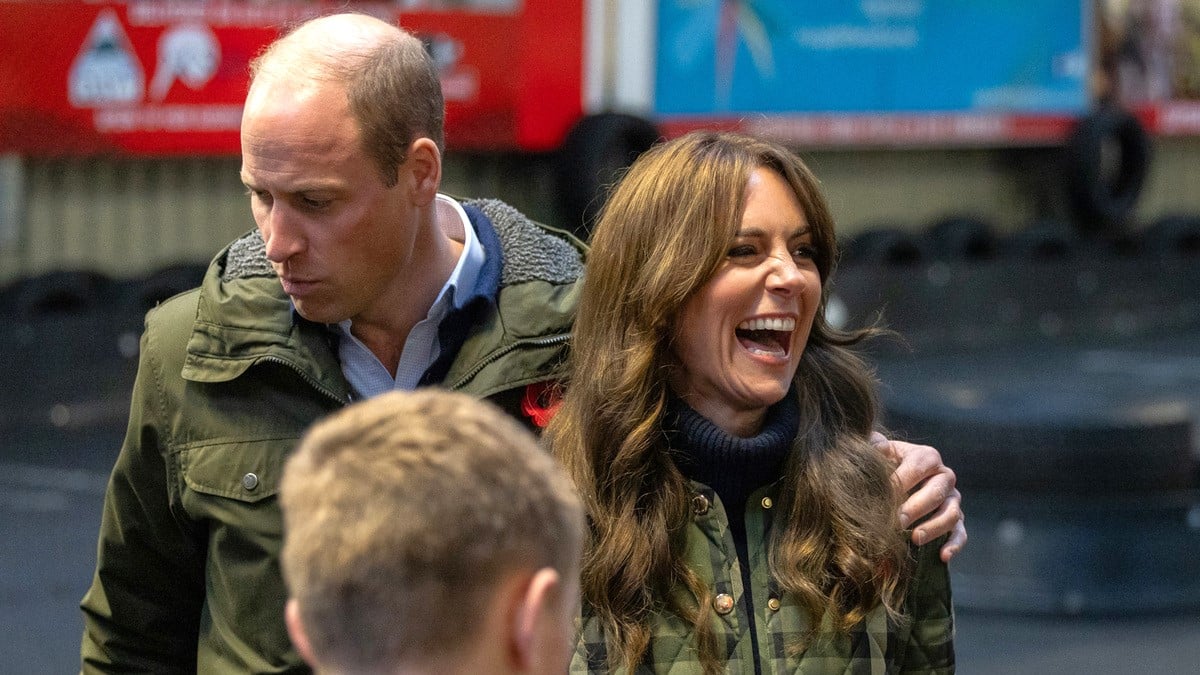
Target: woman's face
(740, 335)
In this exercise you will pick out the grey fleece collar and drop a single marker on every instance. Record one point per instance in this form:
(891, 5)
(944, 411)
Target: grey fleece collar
(529, 252)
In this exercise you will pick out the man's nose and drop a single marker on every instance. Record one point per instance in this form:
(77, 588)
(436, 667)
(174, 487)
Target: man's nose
(281, 234)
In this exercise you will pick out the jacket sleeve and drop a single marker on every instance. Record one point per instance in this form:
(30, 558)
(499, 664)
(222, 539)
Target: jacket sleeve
(929, 605)
(143, 609)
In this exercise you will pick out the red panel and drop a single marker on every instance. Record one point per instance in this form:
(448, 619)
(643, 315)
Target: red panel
(480, 67)
(156, 77)
(139, 78)
(550, 97)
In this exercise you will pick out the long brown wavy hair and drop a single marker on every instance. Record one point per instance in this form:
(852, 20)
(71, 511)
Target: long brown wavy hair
(662, 235)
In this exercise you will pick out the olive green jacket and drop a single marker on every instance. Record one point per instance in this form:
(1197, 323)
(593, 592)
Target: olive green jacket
(187, 576)
(875, 647)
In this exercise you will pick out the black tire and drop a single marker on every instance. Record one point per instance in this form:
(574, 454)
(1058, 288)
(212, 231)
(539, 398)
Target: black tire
(8, 297)
(1105, 458)
(890, 246)
(592, 157)
(61, 292)
(1093, 556)
(1174, 235)
(961, 238)
(1027, 416)
(1043, 239)
(144, 293)
(1107, 158)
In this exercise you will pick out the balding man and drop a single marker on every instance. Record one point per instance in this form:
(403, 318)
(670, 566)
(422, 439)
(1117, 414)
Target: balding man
(360, 279)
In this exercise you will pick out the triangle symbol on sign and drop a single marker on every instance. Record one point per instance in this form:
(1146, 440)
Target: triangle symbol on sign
(106, 71)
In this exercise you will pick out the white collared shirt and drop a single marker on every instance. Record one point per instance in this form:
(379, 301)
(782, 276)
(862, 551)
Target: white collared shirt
(366, 374)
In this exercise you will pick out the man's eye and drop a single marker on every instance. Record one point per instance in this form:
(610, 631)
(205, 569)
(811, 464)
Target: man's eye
(315, 204)
(261, 195)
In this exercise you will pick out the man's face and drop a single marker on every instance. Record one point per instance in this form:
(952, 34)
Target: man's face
(338, 237)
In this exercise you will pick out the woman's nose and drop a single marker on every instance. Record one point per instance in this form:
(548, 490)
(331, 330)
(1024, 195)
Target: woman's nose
(785, 276)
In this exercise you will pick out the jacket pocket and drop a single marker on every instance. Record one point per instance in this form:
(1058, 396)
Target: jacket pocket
(248, 471)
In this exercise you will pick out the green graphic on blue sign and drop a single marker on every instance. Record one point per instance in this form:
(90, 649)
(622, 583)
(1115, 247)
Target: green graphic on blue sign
(872, 56)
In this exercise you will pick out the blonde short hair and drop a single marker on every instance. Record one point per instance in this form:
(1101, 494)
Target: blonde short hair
(401, 515)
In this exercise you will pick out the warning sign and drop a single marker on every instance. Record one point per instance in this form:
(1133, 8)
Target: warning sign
(107, 70)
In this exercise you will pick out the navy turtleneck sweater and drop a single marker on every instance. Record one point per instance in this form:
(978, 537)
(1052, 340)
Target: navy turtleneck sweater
(734, 466)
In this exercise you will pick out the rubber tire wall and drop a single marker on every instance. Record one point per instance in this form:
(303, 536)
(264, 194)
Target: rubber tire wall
(592, 157)
(1104, 200)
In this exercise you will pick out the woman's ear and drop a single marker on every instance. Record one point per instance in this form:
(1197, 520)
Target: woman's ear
(423, 165)
(534, 628)
(295, 629)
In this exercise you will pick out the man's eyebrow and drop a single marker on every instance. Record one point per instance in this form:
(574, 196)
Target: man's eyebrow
(330, 186)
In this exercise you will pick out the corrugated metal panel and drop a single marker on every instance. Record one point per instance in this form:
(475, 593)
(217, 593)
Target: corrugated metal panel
(125, 217)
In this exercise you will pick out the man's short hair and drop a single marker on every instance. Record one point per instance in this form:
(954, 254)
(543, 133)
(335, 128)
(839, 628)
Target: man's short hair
(401, 515)
(391, 81)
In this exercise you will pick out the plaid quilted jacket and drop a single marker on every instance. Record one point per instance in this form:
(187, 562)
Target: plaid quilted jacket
(875, 647)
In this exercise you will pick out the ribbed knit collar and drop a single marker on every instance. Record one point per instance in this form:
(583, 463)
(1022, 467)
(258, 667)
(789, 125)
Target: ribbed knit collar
(733, 466)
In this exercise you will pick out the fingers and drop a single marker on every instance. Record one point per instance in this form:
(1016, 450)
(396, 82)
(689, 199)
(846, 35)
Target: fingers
(934, 499)
(880, 441)
(930, 496)
(946, 519)
(956, 542)
(917, 463)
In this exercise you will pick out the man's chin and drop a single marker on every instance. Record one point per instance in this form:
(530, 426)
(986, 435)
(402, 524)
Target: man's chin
(315, 311)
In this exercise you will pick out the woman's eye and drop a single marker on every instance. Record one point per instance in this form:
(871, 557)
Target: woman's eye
(741, 251)
(805, 252)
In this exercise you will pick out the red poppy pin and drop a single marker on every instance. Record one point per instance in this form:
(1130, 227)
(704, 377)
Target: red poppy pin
(541, 401)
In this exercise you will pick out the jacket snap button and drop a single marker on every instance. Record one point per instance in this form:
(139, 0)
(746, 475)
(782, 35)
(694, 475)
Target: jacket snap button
(723, 603)
(249, 481)
(773, 604)
(767, 503)
(700, 505)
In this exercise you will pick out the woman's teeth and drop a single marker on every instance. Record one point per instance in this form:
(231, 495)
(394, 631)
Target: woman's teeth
(781, 324)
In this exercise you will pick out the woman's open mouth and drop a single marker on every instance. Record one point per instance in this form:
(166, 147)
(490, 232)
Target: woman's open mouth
(766, 336)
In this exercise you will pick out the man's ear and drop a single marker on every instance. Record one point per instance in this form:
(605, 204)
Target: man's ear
(535, 606)
(423, 164)
(295, 629)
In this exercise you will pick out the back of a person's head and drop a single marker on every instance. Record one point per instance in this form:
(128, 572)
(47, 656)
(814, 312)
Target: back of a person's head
(401, 515)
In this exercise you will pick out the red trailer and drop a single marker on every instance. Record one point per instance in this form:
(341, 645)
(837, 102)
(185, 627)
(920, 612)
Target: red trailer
(599, 80)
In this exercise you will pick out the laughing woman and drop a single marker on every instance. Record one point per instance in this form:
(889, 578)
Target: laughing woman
(742, 521)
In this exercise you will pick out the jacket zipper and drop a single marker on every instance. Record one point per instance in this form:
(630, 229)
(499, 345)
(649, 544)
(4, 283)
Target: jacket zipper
(307, 378)
(496, 355)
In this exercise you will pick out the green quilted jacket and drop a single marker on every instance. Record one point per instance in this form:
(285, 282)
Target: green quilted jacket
(876, 647)
(187, 576)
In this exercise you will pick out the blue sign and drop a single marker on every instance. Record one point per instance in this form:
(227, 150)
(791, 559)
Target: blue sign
(872, 56)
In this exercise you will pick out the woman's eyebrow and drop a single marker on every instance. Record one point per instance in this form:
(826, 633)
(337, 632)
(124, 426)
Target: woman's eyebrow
(800, 231)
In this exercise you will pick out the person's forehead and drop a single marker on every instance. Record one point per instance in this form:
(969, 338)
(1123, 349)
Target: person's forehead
(286, 92)
(278, 111)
